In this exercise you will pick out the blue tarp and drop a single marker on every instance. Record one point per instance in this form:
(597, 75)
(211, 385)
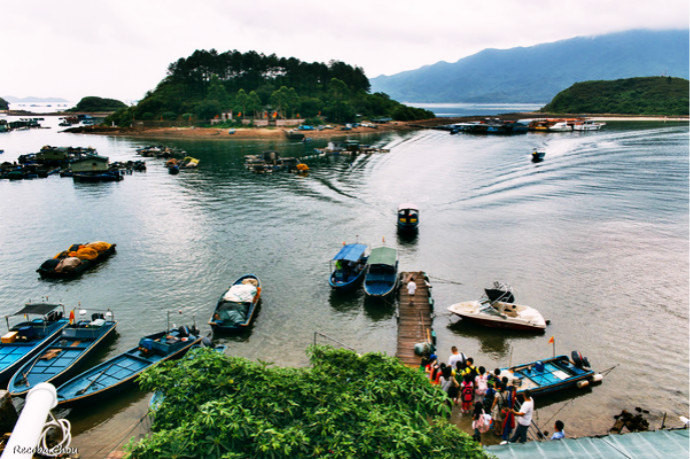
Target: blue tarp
(351, 252)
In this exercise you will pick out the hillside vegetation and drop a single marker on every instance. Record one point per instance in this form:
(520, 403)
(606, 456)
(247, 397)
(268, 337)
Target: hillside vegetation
(631, 96)
(97, 104)
(207, 83)
(4, 105)
(537, 73)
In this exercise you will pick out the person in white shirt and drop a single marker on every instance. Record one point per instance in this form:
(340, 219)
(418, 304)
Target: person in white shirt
(411, 288)
(455, 357)
(524, 418)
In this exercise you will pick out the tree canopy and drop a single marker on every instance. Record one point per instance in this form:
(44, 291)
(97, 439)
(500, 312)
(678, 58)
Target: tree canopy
(344, 405)
(4, 105)
(208, 83)
(631, 96)
(97, 104)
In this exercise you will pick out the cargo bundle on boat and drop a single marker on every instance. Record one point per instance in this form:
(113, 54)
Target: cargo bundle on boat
(76, 259)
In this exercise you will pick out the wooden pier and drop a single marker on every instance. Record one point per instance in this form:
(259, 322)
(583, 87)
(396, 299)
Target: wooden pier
(414, 317)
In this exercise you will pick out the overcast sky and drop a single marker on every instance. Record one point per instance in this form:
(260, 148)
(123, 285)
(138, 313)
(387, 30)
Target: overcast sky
(122, 48)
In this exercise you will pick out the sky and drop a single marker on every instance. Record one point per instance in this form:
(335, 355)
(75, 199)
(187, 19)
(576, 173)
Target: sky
(121, 49)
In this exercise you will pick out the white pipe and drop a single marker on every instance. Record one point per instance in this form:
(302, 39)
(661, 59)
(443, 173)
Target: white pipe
(27, 431)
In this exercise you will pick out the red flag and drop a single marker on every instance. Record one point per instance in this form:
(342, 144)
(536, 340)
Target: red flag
(551, 340)
(71, 317)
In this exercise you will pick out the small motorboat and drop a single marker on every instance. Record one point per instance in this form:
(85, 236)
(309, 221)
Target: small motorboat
(118, 373)
(349, 267)
(538, 156)
(58, 360)
(408, 217)
(494, 310)
(587, 125)
(173, 166)
(42, 322)
(235, 308)
(381, 278)
(552, 374)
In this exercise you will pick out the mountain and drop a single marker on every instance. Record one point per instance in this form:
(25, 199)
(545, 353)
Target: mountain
(31, 99)
(536, 74)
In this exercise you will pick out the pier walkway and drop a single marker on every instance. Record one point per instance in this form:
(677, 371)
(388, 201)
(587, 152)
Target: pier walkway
(414, 317)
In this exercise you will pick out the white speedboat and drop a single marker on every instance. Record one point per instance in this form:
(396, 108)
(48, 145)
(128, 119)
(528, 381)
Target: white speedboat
(490, 311)
(561, 126)
(587, 125)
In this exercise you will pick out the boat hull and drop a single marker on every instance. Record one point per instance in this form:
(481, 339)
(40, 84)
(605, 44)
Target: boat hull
(346, 285)
(549, 375)
(235, 327)
(512, 316)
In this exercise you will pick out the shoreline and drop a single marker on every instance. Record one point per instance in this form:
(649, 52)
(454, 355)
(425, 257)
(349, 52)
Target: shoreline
(275, 133)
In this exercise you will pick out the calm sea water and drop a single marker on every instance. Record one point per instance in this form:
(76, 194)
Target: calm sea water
(595, 237)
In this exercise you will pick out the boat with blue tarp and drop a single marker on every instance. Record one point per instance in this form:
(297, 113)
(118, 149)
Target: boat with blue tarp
(62, 356)
(349, 267)
(381, 278)
(118, 373)
(42, 322)
(408, 217)
(236, 307)
(553, 374)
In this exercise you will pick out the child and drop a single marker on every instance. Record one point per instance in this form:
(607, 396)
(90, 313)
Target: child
(480, 383)
(559, 433)
(480, 423)
(467, 394)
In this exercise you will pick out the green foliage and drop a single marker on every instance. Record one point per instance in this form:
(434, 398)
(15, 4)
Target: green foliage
(97, 104)
(4, 105)
(631, 96)
(344, 405)
(122, 117)
(207, 83)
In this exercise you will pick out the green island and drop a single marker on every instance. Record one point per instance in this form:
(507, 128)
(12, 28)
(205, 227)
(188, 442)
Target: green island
(343, 405)
(252, 85)
(661, 96)
(97, 104)
(4, 105)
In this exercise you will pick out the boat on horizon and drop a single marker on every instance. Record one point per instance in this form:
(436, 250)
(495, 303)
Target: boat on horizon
(494, 310)
(381, 277)
(58, 360)
(349, 267)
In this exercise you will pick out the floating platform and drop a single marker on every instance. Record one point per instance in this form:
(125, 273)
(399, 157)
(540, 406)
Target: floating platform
(415, 317)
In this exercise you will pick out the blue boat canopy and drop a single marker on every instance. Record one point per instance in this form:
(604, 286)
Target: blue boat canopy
(351, 252)
(383, 256)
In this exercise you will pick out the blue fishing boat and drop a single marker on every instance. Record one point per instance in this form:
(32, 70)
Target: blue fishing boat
(408, 217)
(119, 373)
(553, 374)
(235, 308)
(62, 356)
(27, 337)
(382, 272)
(349, 267)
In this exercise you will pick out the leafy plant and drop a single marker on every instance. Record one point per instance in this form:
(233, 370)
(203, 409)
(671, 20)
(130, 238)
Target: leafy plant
(344, 405)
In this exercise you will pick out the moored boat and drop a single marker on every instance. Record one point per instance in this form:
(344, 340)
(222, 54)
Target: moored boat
(26, 338)
(381, 278)
(236, 307)
(552, 374)
(587, 125)
(498, 312)
(75, 260)
(408, 217)
(118, 373)
(349, 267)
(61, 357)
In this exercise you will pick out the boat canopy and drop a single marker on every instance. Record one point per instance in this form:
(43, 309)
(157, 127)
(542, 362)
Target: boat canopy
(351, 252)
(383, 256)
(408, 205)
(37, 308)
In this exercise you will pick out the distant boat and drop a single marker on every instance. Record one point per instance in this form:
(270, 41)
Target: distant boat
(350, 267)
(587, 125)
(236, 307)
(118, 373)
(552, 374)
(71, 263)
(408, 217)
(57, 361)
(382, 272)
(28, 337)
(561, 126)
(294, 135)
(538, 156)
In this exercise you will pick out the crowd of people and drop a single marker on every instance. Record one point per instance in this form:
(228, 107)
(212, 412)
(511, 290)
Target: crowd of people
(490, 398)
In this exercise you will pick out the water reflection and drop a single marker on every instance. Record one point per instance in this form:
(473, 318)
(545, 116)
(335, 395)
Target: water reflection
(494, 342)
(379, 309)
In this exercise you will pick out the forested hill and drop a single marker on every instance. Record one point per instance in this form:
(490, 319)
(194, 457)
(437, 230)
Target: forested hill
(208, 83)
(537, 73)
(4, 105)
(634, 96)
